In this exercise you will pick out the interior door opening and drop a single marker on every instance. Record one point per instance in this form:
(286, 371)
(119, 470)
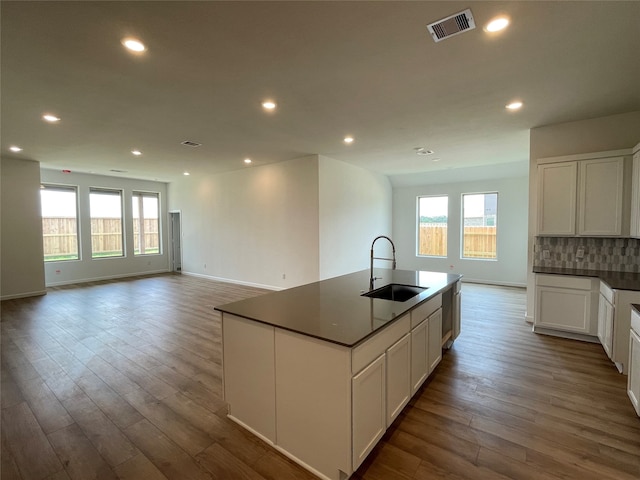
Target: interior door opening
(176, 247)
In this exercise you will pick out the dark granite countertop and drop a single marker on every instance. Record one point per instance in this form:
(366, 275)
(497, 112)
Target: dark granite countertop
(334, 310)
(615, 280)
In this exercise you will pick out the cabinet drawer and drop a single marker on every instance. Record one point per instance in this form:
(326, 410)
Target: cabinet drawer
(564, 281)
(425, 309)
(366, 352)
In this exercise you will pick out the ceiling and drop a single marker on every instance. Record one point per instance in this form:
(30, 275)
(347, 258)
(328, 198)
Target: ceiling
(366, 69)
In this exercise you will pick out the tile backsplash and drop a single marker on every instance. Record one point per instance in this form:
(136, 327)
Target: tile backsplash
(609, 254)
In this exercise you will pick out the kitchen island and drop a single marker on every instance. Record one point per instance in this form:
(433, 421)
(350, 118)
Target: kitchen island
(321, 371)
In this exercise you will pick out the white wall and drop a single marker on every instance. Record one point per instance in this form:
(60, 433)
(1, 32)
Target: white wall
(22, 271)
(88, 269)
(253, 225)
(355, 207)
(614, 132)
(508, 269)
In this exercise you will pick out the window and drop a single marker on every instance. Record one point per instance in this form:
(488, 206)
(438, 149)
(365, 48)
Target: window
(479, 225)
(433, 214)
(105, 207)
(146, 224)
(59, 206)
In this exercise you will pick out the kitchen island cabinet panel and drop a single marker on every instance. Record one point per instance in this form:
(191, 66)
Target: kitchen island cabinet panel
(369, 409)
(435, 339)
(313, 376)
(249, 374)
(398, 377)
(419, 355)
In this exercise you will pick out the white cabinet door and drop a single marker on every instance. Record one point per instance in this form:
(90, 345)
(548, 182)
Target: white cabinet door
(557, 188)
(369, 412)
(600, 197)
(435, 339)
(419, 355)
(398, 377)
(563, 309)
(605, 325)
(633, 380)
(635, 196)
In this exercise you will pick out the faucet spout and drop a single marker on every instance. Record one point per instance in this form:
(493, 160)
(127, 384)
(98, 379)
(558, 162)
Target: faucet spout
(393, 260)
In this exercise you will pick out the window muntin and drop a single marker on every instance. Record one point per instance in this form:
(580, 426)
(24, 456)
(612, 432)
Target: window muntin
(146, 223)
(105, 208)
(59, 208)
(433, 217)
(479, 225)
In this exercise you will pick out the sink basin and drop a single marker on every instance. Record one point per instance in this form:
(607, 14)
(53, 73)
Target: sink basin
(395, 292)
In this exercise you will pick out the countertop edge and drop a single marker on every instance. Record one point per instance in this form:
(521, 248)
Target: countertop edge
(435, 291)
(606, 276)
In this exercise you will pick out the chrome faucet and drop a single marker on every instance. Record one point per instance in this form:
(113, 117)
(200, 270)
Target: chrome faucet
(393, 248)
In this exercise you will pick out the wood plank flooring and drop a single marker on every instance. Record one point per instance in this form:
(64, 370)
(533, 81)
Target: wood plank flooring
(122, 380)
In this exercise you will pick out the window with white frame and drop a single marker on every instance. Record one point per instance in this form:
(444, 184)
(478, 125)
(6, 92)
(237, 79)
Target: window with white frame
(146, 223)
(59, 207)
(105, 207)
(479, 225)
(433, 218)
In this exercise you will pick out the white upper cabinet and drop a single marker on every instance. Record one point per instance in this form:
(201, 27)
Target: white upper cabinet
(584, 195)
(635, 194)
(600, 197)
(557, 184)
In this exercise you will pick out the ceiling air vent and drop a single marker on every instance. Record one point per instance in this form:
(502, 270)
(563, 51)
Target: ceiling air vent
(453, 25)
(189, 143)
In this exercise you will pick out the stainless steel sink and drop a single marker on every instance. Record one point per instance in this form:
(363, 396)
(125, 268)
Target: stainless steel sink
(395, 292)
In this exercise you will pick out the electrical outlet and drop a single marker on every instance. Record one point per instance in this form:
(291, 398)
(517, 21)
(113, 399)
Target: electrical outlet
(580, 252)
(546, 254)
(205, 265)
(284, 276)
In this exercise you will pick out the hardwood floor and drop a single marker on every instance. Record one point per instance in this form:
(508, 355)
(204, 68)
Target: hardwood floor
(123, 380)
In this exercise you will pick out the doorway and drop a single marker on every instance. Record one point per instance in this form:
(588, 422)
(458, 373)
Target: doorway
(175, 233)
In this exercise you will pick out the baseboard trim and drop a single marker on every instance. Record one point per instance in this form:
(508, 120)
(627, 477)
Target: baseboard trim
(230, 280)
(494, 282)
(37, 293)
(570, 335)
(107, 277)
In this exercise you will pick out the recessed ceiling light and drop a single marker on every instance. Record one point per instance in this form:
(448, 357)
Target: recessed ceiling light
(247, 161)
(514, 105)
(186, 174)
(497, 24)
(15, 148)
(348, 139)
(423, 151)
(436, 159)
(134, 45)
(137, 153)
(50, 118)
(269, 105)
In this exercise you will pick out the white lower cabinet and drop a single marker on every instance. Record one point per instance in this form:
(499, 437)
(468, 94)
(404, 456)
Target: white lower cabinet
(566, 304)
(633, 381)
(398, 377)
(605, 320)
(435, 339)
(419, 355)
(369, 409)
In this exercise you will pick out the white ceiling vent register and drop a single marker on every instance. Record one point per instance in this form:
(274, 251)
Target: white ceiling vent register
(453, 25)
(189, 143)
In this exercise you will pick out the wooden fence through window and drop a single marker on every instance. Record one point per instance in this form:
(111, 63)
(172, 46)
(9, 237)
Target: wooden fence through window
(479, 242)
(60, 237)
